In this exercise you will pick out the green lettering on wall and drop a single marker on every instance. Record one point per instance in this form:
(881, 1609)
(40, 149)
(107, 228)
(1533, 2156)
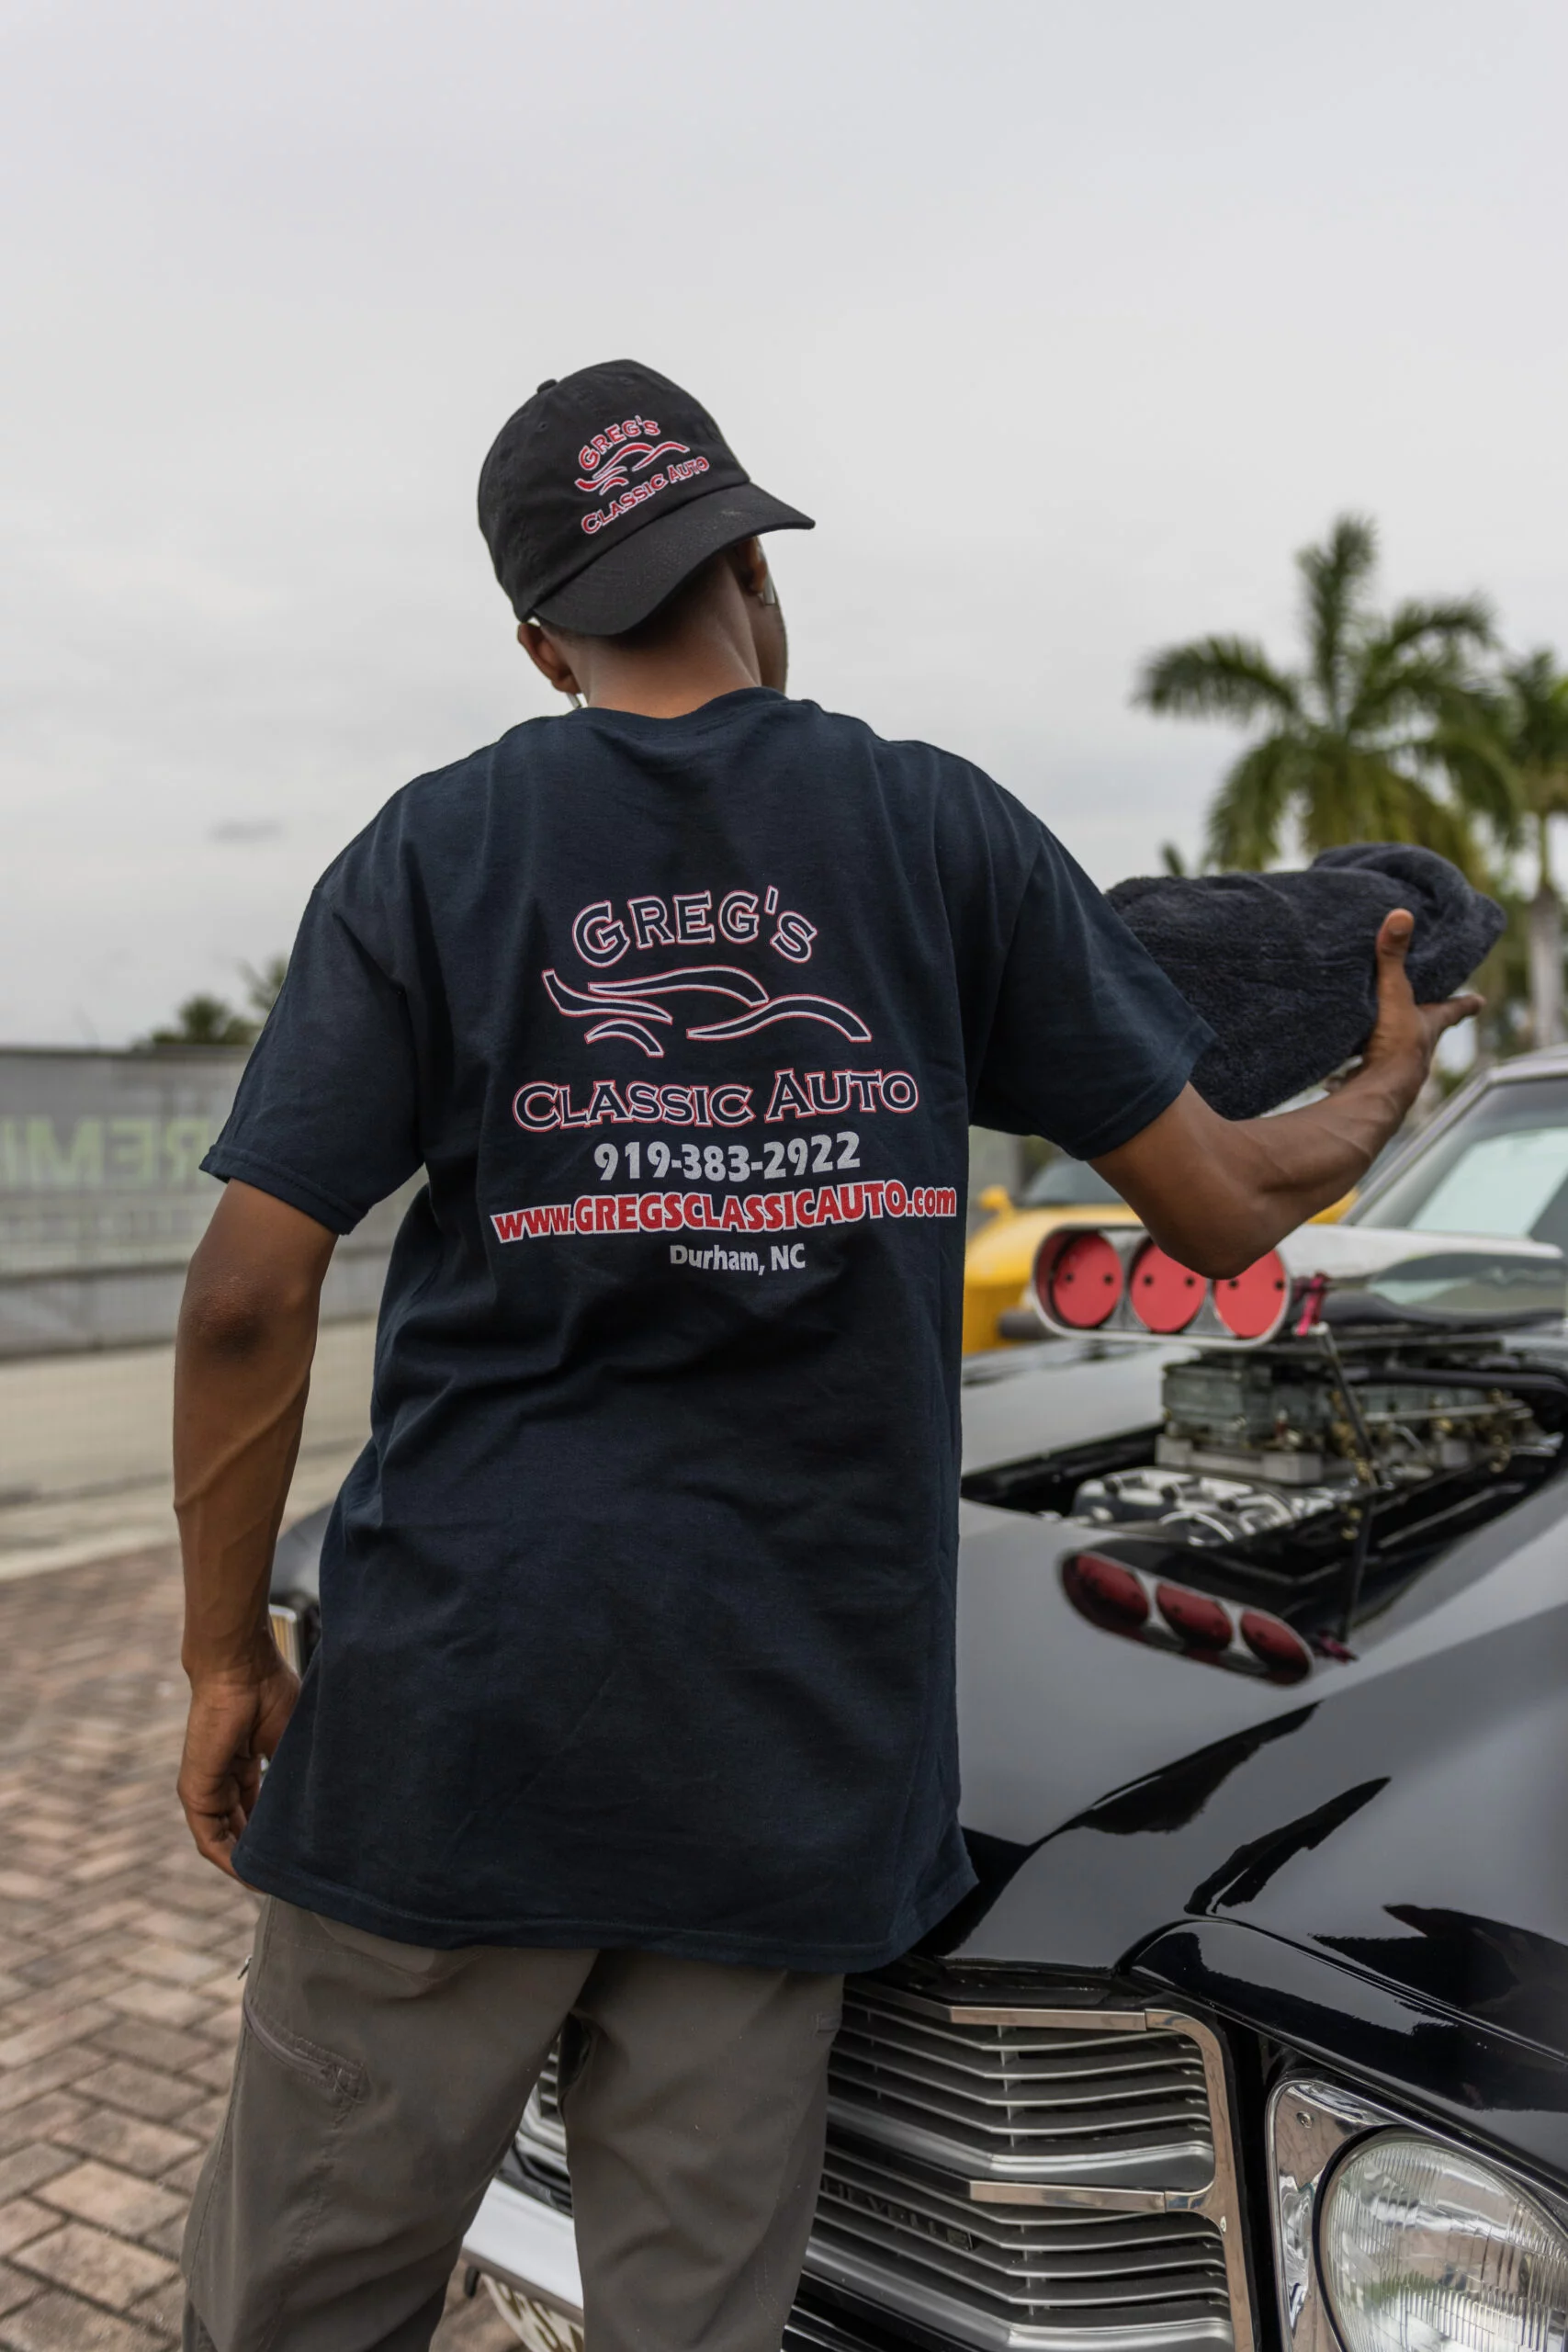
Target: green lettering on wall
(122, 1155)
(76, 1169)
(133, 1151)
(185, 1145)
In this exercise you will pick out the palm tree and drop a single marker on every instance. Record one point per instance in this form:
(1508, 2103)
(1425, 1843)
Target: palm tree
(1363, 741)
(1529, 716)
(205, 1020)
(262, 986)
(211, 1020)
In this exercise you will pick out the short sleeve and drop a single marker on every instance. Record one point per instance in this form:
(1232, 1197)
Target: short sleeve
(326, 1117)
(1088, 1040)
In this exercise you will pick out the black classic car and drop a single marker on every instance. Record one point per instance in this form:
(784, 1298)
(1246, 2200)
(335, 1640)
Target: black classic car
(1254, 2030)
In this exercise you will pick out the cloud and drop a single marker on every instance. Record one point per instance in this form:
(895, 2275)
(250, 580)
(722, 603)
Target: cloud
(247, 829)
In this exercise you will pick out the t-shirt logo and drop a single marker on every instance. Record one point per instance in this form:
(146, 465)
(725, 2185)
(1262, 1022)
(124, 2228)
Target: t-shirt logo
(610, 460)
(625, 1008)
(635, 1008)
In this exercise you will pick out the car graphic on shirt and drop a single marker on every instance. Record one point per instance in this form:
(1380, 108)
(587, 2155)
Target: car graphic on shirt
(628, 1008)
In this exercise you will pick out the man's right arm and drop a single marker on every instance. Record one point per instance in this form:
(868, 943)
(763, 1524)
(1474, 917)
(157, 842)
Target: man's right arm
(242, 1370)
(1219, 1193)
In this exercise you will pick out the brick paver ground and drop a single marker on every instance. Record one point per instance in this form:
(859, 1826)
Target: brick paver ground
(119, 1951)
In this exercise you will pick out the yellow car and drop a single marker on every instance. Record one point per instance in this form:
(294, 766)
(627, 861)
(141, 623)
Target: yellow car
(1000, 1256)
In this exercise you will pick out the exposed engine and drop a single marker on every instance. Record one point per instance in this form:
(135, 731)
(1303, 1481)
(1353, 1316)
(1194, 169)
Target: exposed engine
(1193, 1507)
(1354, 1403)
(1253, 1444)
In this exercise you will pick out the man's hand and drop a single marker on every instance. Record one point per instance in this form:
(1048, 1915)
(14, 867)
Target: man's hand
(1405, 1039)
(235, 1722)
(1218, 1192)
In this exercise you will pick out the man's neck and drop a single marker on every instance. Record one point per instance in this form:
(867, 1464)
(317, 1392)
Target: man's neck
(703, 653)
(667, 683)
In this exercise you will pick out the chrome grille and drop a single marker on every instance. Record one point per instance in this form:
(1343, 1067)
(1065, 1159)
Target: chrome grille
(543, 2112)
(1022, 2102)
(1014, 2178)
(1021, 2268)
(539, 2150)
(815, 2331)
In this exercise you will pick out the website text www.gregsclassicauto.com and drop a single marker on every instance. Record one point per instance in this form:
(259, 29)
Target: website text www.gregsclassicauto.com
(740, 1213)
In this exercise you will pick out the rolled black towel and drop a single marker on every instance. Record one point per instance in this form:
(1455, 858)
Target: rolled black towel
(1281, 965)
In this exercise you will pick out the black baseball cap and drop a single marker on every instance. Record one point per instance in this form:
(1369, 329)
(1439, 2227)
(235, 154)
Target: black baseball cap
(605, 491)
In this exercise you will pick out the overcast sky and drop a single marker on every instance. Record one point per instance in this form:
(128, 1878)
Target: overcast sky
(1069, 321)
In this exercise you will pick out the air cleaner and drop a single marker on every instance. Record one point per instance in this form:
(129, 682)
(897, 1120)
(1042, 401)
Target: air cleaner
(1084, 1281)
(1352, 1275)
(1164, 1297)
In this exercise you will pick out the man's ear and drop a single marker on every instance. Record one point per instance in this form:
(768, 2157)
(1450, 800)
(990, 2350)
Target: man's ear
(769, 642)
(751, 568)
(547, 657)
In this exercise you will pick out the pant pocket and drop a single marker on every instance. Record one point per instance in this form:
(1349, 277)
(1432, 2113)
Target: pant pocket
(340, 2078)
(284, 2150)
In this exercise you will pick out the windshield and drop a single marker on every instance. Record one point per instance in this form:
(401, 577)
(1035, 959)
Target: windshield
(1068, 1184)
(1501, 1168)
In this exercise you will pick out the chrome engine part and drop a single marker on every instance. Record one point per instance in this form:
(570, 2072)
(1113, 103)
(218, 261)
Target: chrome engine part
(1279, 1416)
(1196, 1509)
(1253, 1445)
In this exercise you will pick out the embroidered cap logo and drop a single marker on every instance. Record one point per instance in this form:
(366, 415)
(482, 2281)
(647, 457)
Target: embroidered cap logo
(610, 458)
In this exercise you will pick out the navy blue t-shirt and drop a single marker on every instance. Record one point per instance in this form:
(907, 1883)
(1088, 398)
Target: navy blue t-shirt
(637, 1608)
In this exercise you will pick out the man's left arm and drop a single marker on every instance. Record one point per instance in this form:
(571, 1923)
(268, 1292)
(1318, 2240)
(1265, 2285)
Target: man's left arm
(247, 1334)
(1218, 1192)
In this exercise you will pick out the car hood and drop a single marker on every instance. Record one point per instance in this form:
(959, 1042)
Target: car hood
(1404, 1814)
(1024, 1400)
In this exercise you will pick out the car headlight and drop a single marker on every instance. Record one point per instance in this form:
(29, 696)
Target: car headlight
(1422, 2248)
(1390, 2240)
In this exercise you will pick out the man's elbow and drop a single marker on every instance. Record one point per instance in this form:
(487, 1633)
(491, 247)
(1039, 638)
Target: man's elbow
(1218, 1259)
(1221, 1239)
(235, 1316)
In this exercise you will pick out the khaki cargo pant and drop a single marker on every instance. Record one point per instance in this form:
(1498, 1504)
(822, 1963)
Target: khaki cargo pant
(378, 2086)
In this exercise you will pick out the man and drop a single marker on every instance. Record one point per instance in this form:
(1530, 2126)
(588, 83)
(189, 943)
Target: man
(634, 1704)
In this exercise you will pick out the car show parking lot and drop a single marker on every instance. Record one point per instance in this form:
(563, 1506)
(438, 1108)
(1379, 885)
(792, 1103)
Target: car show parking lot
(1231, 1775)
(119, 1953)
